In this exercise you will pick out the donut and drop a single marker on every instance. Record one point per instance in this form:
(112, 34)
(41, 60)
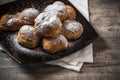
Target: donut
(53, 45)
(72, 29)
(29, 14)
(27, 36)
(58, 8)
(47, 25)
(12, 22)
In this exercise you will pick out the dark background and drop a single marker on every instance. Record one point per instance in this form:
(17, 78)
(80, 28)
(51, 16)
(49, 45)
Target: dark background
(105, 18)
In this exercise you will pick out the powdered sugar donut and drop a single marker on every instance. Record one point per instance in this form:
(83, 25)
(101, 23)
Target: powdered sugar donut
(58, 8)
(55, 44)
(29, 14)
(27, 36)
(47, 25)
(72, 29)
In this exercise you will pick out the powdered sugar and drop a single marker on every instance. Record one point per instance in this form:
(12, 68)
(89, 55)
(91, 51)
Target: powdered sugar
(40, 18)
(27, 32)
(52, 22)
(12, 21)
(47, 21)
(29, 13)
(58, 8)
(72, 25)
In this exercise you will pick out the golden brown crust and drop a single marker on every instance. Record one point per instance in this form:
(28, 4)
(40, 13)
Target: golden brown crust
(17, 14)
(55, 44)
(2, 27)
(71, 12)
(27, 37)
(72, 29)
(4, 19)
(8, 22)
(64, 17)
(22, 21)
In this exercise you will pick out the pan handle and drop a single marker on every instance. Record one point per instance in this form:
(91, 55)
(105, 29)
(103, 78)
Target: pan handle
(3, 50)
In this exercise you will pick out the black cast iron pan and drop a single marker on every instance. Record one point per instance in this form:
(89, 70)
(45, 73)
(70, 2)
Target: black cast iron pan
(22, 54)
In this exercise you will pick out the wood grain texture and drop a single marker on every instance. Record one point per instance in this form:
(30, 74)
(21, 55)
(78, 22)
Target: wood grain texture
(105, 18)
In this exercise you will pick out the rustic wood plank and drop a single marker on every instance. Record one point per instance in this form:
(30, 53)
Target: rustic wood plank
(100, 58)
(35, 73)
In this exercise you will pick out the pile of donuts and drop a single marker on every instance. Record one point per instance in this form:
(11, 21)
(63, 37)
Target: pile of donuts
(52, 28)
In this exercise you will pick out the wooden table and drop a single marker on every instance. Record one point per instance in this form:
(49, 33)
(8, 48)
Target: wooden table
(105, 18)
